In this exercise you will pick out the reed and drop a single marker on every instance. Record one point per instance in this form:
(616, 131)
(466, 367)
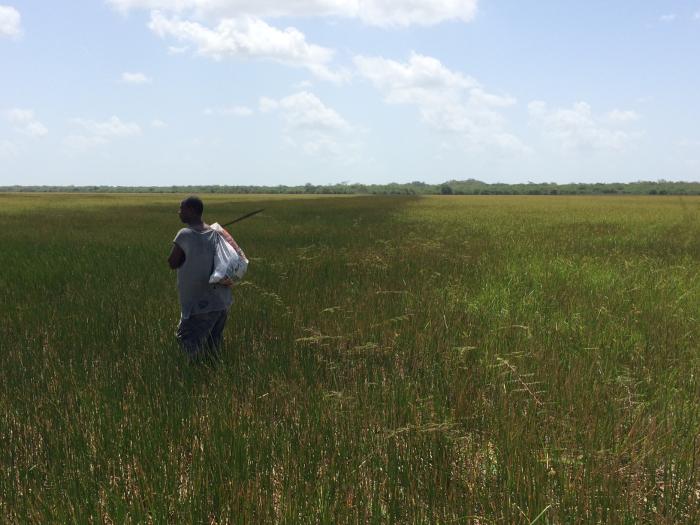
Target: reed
(387, 360)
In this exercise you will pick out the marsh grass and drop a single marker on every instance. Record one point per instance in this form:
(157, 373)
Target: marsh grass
(387, 360)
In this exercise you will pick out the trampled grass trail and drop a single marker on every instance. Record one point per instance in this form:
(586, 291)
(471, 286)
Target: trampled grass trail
(388, 360)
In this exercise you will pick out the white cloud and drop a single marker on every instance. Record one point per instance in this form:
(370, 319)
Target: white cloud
(175, 50)
(26, 123)
(135, 78)
(236, 28)
(313, 127)
(82, 142)
(668, 17)
(157, 123)
(579, 129)
(268, 104)
(97, 133)
(418, 12)
(305, 110)
(7, 149)
(304, 84)
(236, 111)
(19, 116)
(111, 128)
(620, 116)
(423, 80)
(373, 12)
(248, 38)
(448, 101)
(35, 129)
(10, 22)
(689, 143)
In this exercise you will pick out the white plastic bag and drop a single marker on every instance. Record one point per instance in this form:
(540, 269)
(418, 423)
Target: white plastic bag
(229, 260)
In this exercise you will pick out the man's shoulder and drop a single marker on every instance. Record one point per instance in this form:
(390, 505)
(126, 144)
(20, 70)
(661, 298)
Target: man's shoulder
(182, 234)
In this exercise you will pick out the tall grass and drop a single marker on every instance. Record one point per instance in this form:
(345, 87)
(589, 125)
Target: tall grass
(388, 360)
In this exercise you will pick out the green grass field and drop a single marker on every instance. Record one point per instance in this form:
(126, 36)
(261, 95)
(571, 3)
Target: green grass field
(387, 360)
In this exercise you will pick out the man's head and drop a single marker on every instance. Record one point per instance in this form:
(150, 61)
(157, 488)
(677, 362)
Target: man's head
(191, 210)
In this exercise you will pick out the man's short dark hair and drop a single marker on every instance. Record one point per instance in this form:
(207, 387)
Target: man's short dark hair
(195, 204)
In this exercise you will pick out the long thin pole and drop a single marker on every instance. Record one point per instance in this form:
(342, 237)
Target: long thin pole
(242, 217)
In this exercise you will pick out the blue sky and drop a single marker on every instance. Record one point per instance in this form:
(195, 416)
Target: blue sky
(161, 92)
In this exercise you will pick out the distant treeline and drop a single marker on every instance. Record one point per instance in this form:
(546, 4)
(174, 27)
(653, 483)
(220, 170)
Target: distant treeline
(453, 187)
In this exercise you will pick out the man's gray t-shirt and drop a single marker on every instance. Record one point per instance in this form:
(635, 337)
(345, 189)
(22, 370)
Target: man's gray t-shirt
(197, 296)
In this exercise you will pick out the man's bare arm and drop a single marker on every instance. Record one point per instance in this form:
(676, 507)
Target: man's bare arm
(176, 257)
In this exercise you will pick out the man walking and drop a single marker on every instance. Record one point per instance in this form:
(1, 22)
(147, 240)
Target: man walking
(204, 307)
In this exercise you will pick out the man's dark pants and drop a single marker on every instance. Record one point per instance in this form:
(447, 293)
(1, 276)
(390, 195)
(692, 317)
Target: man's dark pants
(200, 335)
